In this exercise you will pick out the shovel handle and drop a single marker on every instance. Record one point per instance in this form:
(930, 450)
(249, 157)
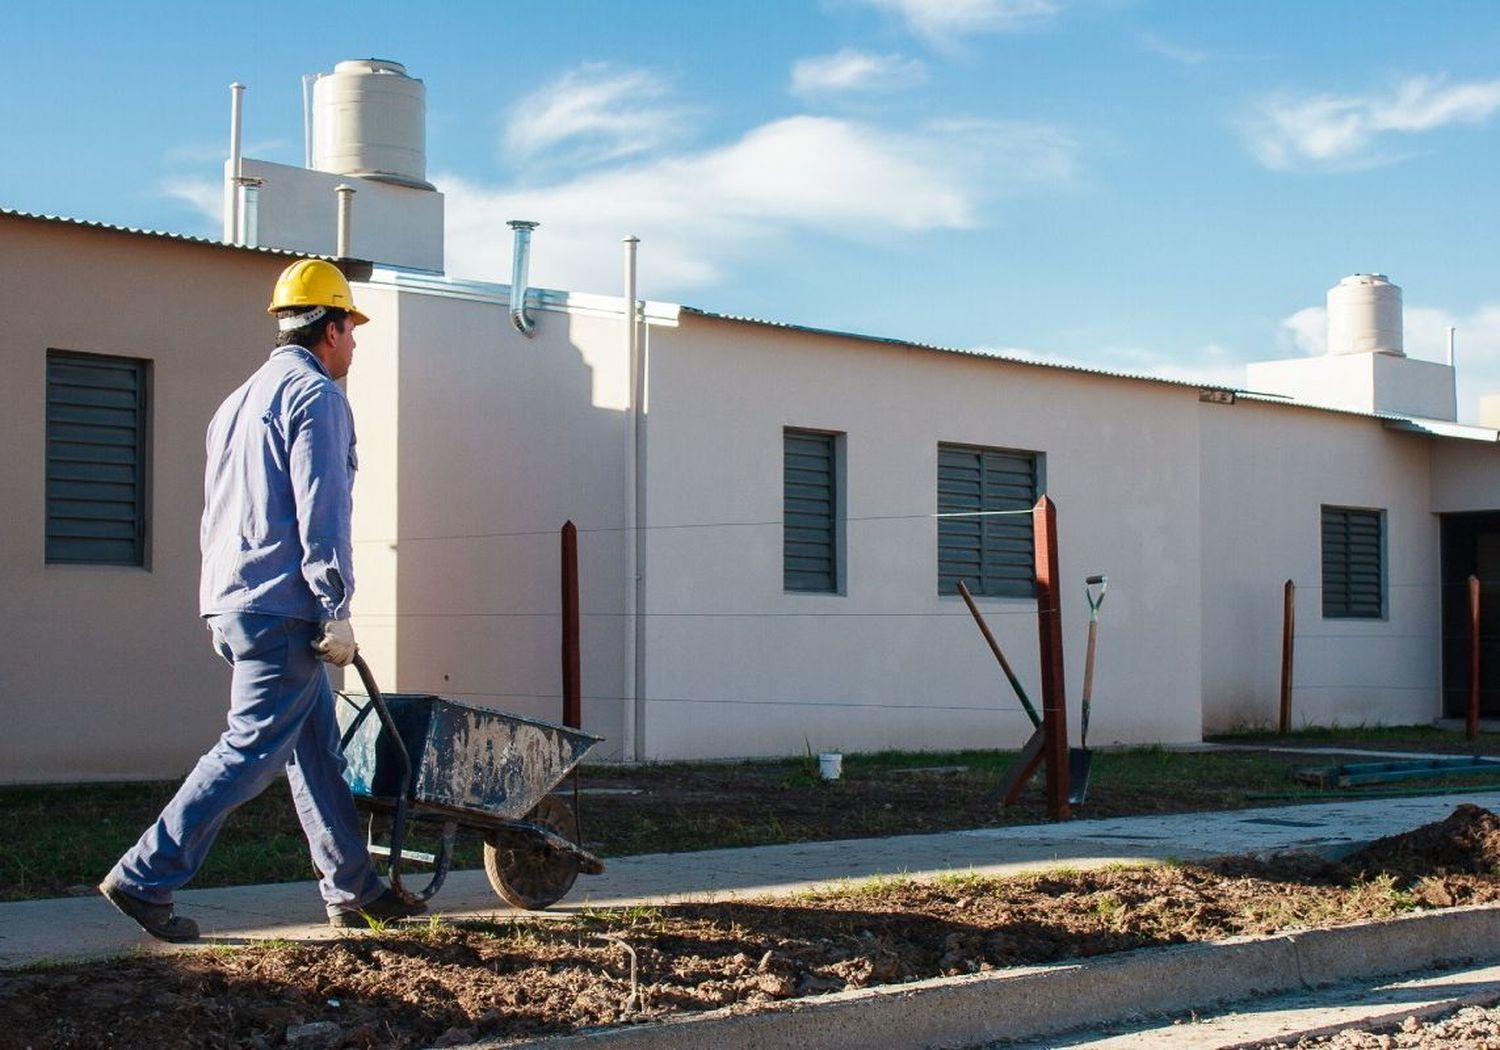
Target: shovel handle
(1010, 675)
(1096, 599)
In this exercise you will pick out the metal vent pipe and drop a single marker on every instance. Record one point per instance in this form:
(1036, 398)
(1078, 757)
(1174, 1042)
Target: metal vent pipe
(247, 205)
(231, 191)
(346, 208)
(520, 263)
(307, 119)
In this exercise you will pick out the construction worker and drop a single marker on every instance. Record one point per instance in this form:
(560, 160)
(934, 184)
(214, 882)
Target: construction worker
(275, 590)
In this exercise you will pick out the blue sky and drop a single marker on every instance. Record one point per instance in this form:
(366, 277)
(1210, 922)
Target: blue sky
(1164, 187)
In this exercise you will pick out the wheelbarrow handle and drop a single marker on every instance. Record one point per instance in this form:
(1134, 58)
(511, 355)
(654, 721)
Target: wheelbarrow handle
(398, 820)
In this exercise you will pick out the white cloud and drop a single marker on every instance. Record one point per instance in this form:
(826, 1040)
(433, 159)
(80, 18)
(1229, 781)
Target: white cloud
(1159, 45)
(943, 22)
(603, 114)
(1476, 348)
(203, 195)
(1307, 331)
(698, 212)
(850, 70)
(1332, 132)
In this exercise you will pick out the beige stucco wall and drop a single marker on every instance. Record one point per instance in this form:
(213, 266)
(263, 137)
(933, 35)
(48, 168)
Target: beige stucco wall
(107, 671)
(1465, 476)
(736, 666)
(1267, 472)
(497, 440)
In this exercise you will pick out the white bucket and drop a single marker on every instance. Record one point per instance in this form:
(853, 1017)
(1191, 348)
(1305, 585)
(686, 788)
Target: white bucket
(830, 765)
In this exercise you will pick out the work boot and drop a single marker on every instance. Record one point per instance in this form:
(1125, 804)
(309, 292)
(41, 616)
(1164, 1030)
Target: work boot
(387, 907)
(156, 919)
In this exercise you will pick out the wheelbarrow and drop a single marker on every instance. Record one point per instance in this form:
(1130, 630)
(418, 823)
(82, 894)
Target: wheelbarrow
(414, 757)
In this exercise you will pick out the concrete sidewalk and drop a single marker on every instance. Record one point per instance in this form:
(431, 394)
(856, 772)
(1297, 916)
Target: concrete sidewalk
(87, 927)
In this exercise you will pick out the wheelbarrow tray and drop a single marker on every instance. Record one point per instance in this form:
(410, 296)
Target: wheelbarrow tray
(485, 765)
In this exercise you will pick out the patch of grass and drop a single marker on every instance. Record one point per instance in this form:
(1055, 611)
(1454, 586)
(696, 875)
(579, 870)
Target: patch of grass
(63, 839)
(1410, 737)
(634, 915)
(1107, 907)
(963, 881)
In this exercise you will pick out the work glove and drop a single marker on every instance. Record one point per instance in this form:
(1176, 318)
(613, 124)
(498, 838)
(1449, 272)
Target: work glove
(336, 644)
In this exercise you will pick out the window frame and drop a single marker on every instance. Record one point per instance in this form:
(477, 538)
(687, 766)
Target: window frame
(836, 579)
(1339, 603)
(55, 540)
(1005, 586)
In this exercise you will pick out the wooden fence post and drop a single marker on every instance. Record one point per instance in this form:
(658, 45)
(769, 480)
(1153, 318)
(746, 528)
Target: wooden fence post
(1471, 726)
(1049, 631)
(572, 675)
(1288, 639)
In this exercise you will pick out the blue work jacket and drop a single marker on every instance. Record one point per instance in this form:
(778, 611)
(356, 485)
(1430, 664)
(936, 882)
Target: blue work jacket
(277, 495)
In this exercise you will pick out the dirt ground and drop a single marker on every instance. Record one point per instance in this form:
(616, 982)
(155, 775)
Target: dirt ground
(439, 983)
(1470, 1028)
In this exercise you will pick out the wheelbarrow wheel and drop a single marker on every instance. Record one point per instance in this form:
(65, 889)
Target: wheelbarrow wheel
(524, 874)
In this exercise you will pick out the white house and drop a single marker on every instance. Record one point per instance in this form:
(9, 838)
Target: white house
(764, 566)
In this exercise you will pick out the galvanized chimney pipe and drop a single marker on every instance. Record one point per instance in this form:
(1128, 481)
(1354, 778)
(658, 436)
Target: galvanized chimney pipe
(346, 208)
(247, 205)
(307, 119)
(520, 262)
(231, 191)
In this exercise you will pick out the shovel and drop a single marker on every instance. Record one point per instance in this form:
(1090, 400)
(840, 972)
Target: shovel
(1080, 758)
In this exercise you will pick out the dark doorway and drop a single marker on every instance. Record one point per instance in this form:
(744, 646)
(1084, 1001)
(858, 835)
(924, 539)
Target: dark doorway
(1471, 547)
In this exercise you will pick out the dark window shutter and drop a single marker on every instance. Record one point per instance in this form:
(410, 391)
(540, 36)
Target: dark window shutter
(1353, 580)
(991, 554)
(96, 459)
(809, 512)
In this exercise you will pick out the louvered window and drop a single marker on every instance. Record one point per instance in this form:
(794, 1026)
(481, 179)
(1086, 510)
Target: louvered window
(991, 553)
(96, 459)
(810, 537)
(1353, 563)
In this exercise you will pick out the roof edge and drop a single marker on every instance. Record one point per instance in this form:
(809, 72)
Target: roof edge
(181, 238)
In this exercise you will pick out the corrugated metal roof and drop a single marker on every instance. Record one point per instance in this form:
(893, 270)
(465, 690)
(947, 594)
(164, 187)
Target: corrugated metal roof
(1440, 428)
(970, 352)
(1411, 424)
(94, 224)
(559, 300)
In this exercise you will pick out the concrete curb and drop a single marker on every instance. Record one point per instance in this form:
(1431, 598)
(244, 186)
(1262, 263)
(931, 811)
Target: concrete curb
(1040, 1001)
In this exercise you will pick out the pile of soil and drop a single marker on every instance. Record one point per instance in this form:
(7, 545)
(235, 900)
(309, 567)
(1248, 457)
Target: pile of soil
(1467, 1028)
(438, 984)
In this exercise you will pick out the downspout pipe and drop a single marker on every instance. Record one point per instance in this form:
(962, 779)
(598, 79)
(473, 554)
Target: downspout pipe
(634, 715)
(232, 175)
(520, 263)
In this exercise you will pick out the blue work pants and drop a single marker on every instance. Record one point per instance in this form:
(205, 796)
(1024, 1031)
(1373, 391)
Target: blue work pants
(280, 716)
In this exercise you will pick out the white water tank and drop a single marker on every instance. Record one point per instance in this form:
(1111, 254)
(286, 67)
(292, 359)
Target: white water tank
(370, 120)
(1364, 316)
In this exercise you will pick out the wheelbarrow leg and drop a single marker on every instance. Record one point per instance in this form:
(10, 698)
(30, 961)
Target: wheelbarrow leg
(444, 863)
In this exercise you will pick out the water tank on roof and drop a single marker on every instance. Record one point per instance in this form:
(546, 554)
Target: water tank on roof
(370, 120)
(1364, 316)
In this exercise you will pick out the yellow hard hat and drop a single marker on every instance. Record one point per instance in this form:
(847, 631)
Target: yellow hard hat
(313, 282)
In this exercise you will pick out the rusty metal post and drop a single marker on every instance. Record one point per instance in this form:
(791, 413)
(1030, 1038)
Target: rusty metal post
(1288, 639)
(1472, 725)
(572, 674)
(1049, 631)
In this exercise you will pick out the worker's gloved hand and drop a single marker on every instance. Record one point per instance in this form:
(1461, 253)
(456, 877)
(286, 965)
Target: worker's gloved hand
(336, 644)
